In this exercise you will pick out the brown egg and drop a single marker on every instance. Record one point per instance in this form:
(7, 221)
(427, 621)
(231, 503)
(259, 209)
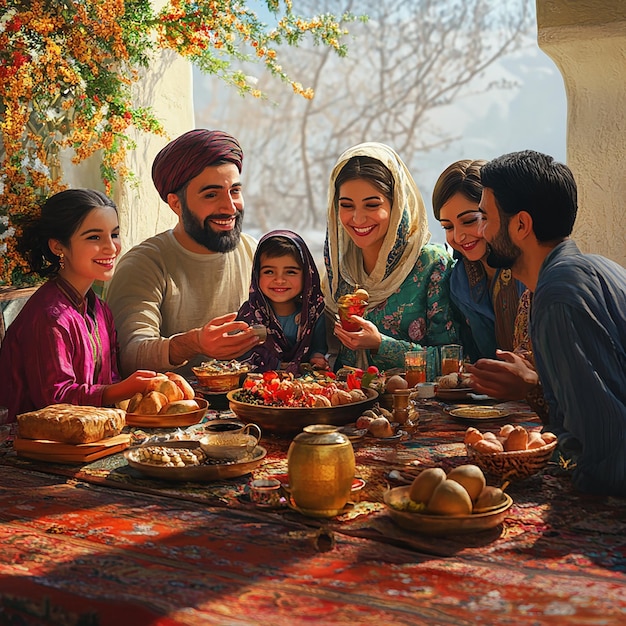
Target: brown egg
(394, 383)
(535, 440)
(548, 437)
(472, 435)
(505, 430)
(517, 439)
(488, 446)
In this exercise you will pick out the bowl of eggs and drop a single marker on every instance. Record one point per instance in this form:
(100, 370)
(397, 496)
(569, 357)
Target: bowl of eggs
(511, 454)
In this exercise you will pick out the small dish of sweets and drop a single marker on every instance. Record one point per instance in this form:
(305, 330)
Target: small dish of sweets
(220, 376)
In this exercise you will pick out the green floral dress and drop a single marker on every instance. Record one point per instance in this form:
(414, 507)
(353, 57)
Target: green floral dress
(417, 315)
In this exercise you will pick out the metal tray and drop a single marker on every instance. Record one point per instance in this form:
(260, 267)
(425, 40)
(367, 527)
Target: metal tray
(195, 473)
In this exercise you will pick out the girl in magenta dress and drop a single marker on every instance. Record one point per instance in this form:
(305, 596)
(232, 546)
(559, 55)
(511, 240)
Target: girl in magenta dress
(61, 348)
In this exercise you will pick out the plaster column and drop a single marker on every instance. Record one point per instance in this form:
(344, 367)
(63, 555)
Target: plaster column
(587, 41)
(167, 88)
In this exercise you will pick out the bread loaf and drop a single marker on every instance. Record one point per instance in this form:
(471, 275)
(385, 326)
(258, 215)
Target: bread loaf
(179, 406)
(71, 424)
(185, 387)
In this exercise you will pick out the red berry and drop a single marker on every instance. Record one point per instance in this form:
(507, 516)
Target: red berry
(372, 369)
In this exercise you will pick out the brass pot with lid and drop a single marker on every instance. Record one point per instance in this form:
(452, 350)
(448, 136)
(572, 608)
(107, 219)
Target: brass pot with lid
(320, 463)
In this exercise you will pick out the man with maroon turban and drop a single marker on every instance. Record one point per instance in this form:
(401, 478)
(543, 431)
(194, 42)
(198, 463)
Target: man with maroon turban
(174, 296)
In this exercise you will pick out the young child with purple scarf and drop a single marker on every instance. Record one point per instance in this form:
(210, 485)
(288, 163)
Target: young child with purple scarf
(286, 298)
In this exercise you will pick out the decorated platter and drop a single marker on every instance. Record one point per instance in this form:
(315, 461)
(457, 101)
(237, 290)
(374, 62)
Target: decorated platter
(194, 473)
(174, 420)
(352, 432)
(479, 413)
(443, 524)
(290, 420)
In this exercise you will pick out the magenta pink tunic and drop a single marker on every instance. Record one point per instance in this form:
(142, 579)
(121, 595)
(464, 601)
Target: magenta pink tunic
(60, 348)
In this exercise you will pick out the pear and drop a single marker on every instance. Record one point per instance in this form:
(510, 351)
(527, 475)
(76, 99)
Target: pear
(471, 477)
(489, 497)
(425, 483)
(450, 498)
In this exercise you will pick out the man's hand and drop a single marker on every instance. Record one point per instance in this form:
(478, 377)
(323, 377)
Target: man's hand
(368, 338)
(319, 362)
(510, 378)
(223, 338)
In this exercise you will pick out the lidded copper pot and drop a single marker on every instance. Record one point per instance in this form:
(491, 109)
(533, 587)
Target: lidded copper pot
(320, 463)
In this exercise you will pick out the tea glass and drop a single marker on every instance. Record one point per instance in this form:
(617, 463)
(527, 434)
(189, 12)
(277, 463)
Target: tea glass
(451, 359)
(266, 492)
(415, 364)
(346, 311)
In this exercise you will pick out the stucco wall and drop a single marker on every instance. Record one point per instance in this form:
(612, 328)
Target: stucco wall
(168, 89)
(587, 41)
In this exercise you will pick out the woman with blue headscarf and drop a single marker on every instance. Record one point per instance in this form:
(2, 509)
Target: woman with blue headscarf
(377, 240)
(487, 298)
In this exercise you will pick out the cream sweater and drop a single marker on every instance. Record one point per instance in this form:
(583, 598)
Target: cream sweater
(160, 289)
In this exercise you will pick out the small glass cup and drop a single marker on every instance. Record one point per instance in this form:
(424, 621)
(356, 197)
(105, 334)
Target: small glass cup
(266, 492)
(415, 364)
(451, 359)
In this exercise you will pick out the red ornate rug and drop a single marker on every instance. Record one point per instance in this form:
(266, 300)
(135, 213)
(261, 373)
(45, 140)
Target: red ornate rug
(78, 553)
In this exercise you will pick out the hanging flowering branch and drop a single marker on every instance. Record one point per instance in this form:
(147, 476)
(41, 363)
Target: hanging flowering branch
(66, 72)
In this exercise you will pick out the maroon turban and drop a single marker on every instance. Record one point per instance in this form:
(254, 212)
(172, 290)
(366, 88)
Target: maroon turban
(186, 156)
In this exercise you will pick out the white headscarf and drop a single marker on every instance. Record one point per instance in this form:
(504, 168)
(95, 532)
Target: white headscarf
(407, 233)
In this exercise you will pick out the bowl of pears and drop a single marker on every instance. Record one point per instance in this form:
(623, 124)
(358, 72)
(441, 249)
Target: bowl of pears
(440, 503)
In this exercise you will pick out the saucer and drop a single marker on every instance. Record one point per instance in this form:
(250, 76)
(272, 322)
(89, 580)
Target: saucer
(318, 513)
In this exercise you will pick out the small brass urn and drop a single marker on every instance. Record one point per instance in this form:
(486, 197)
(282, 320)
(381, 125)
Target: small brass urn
(320, 463)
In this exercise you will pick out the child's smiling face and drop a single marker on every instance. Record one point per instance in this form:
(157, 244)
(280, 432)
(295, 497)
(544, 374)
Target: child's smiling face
(281, 280)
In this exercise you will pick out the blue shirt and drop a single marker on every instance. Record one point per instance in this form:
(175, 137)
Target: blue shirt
(290, 324)
(578, 332)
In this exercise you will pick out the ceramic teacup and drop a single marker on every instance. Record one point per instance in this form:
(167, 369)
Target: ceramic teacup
(230, 439)
(426, 390)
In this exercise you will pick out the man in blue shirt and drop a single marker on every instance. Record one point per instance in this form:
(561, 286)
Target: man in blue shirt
(578, 316)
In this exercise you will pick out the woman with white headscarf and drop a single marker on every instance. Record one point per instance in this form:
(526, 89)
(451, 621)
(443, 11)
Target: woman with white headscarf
(377, 240)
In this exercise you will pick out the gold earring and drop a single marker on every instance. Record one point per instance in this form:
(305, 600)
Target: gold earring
(61, 261)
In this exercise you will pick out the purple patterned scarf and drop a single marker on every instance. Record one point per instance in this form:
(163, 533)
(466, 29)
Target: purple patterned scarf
(258, 310)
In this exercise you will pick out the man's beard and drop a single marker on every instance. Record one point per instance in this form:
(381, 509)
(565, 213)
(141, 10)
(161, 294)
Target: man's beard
(223, 241)
(502, 251)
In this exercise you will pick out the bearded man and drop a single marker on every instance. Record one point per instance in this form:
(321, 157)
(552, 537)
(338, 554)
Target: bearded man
(577, 318)
(174, 296)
